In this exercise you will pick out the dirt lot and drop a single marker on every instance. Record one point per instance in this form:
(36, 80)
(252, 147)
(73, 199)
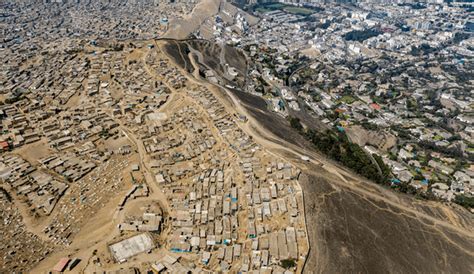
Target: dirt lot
(381, 140)
(35, 151)
(181, 28)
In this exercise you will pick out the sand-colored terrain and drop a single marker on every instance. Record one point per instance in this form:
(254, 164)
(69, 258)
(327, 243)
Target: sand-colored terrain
(181, 28)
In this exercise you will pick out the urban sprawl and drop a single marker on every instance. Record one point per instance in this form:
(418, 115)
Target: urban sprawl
(104, 136)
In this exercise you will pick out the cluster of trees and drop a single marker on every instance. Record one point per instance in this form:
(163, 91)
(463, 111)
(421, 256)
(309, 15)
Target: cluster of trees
(455, 151)
(105, 134)
(6, 194)
(337, 146)
(460, 36)
(361, 35)
(288, 263)
(368, 126)
(13, 99)
(296, 124)
(465, 201)
(423, 49)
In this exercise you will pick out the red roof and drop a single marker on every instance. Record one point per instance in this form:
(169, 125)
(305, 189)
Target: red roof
(4, 144)
(61, 265)
(375, 106)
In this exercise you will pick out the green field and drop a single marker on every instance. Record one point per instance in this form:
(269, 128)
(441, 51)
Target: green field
(287, 8)
(347, 99)
(298, 10)
(268, 7)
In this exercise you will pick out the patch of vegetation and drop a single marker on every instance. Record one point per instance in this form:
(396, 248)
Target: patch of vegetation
(104, 134)
(368, 126)
(288, 263)
(452, 151)
(298, 10)
(295, 123)
(361, 35)
(5, 194)
(459, 37)
(337, 146)
(267, 7)
(416, 6)
(348, 99)
(423, 49)
(412, 104)
(465, 201)
(117, 47)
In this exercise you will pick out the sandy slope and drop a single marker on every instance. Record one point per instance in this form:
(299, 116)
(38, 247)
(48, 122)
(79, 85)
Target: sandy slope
(181, 28)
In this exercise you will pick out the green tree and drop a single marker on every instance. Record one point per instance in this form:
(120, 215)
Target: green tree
(296, 124)
(288, 263)
(465, 201)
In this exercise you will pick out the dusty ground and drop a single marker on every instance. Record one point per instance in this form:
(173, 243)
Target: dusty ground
(181, 28)
(381, 140)
(355, 233)
(35, 151)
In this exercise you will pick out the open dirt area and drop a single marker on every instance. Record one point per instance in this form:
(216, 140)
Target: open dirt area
(351, 232)
(181, 28)
(362, 137)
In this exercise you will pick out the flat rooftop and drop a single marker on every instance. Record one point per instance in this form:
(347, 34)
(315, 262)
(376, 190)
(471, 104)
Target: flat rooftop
(131, 247)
